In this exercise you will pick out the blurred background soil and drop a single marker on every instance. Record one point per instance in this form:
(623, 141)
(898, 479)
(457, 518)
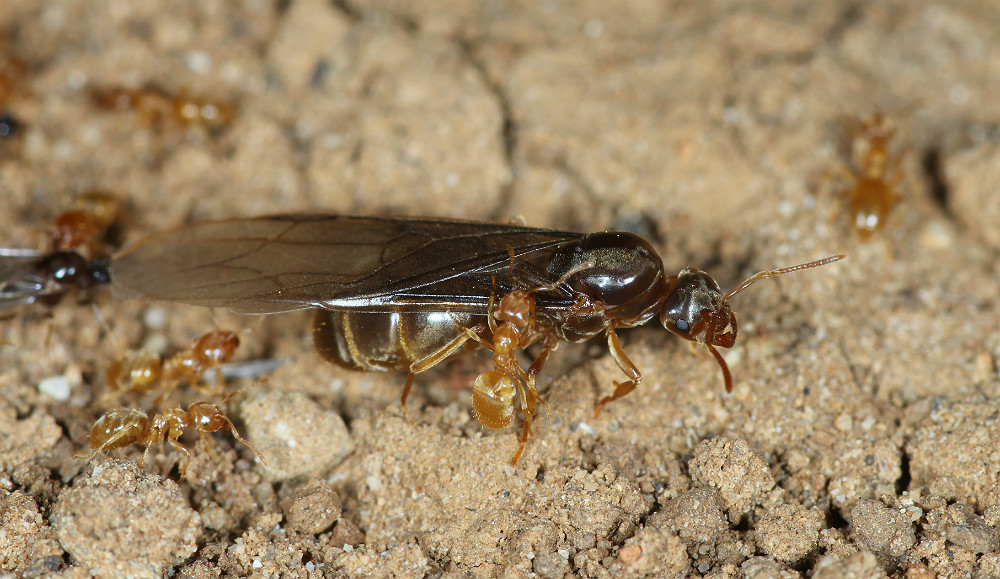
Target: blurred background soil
(861, 439)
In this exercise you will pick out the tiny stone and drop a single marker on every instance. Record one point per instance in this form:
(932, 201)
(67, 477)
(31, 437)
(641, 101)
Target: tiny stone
(629, 555)
(550, 566)
(155, 318)
(346, 534)
(214, 517)
(56, 387)
(298, 436)
(312, 508)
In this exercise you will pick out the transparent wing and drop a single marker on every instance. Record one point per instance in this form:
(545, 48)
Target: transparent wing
(20, 282)
(289, 262)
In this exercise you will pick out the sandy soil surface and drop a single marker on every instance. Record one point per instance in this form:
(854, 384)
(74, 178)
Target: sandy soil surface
(861, 437)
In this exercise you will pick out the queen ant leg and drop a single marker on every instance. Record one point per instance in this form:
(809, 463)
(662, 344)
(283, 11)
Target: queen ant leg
(626, 365)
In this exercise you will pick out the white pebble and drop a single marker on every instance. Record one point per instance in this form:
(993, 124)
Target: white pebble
(198, 61)
(155, 318)
(56, 387)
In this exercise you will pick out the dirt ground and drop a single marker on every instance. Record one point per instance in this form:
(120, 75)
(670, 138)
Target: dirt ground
(861, 438)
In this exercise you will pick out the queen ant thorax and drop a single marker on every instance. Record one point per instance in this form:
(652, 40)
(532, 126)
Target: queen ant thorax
(122, 427)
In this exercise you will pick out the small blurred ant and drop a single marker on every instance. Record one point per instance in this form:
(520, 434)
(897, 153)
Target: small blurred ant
(122, 427)
(155, 107)
(874, 179)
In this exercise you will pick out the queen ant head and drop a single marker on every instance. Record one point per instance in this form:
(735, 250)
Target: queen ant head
(696, 309)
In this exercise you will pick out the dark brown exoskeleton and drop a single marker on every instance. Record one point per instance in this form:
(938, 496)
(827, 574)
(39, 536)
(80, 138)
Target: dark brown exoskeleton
(28, 276)
(82, 239)
(406, 294)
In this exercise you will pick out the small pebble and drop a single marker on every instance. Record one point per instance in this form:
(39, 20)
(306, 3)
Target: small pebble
(311, 508)
(56, 387)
